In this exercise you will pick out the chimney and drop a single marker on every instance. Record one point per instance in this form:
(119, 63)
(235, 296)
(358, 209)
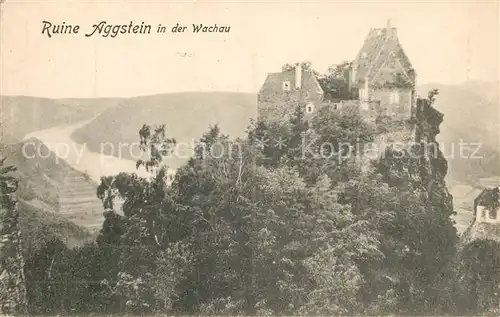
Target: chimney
(389, 28)
(298, 76)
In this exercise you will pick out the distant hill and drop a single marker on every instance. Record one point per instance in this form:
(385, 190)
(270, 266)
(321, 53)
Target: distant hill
(186, 115)
(49, 184)
(486, 90)
(471, 114)
(20, 115)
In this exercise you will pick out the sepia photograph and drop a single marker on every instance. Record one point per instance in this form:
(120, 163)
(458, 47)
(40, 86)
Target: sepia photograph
(249, 158)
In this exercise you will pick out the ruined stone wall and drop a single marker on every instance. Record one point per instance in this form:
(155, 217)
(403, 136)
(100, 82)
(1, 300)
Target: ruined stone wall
(401, 109)
(276, 105)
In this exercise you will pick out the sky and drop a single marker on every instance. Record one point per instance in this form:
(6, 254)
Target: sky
(447, 42)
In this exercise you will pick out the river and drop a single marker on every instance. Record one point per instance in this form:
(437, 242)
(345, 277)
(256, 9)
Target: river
(95, 165)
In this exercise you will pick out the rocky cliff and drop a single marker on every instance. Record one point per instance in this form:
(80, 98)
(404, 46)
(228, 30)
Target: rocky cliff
(413, 160)
(435, 166)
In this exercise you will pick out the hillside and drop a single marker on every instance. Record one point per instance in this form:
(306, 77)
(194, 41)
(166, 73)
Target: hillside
(186, 115)
(51, 185)
(39, 226)
(471, 114)
(20, 115)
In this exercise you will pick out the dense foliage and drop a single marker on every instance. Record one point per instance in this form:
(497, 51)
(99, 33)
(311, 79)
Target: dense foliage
(12, 280)
(258, 227)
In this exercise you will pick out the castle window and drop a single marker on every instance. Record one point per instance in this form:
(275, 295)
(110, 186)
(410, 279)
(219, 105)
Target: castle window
(394, 97)
(287, 86)
(363, 94)
(309, 108)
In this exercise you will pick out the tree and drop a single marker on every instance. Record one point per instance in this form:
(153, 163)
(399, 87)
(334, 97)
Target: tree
(421, 239)
(151, 225)
(259, 230)
(335, 82)
(479, 278)
(12, 280)
(256, 228)
(305, 65)
(350, 242)
(400, 209)
(46, 279)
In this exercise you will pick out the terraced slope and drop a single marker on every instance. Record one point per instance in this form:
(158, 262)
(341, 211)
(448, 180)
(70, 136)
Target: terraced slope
(48, 183)
(78, 201)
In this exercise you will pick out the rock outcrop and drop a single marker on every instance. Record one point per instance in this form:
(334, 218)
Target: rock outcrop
(413, 159)
(434, 165)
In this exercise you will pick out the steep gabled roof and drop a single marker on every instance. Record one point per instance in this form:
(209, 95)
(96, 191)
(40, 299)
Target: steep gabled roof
(488, 197)
(274, 81)
(380, 47)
